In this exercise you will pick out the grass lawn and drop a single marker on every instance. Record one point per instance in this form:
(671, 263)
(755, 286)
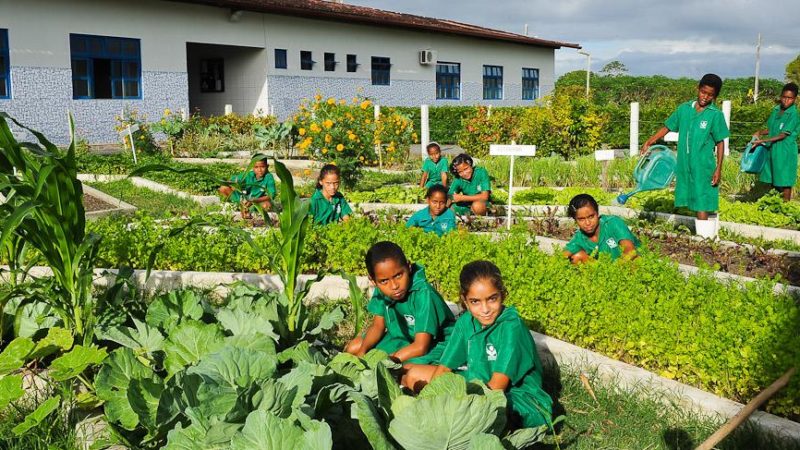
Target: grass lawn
(155, 203)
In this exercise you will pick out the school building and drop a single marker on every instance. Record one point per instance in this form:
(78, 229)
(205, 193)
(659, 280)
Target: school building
(94, 58)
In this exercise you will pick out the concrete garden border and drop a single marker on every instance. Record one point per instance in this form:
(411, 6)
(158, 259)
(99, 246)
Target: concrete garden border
(121, 207)
(152, 185)
(552, 350)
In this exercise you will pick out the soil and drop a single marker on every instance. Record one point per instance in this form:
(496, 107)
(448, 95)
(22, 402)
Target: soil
(95, 204)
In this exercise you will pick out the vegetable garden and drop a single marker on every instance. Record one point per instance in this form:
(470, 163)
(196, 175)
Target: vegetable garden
(250, 368)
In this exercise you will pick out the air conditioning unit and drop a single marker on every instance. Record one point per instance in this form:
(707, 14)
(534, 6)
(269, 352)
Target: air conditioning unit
(427, 57)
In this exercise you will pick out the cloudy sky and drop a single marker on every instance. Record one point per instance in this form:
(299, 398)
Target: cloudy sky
(668, 37)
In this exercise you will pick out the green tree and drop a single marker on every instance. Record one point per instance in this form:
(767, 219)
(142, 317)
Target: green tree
(614, 68)
(793, 70)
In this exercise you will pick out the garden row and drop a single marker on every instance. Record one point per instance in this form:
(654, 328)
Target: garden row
(726, 340)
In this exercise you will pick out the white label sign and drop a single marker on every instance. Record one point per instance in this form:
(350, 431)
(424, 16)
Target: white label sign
(512, 150)
(133, 129)
(604, 155)
(671, 137)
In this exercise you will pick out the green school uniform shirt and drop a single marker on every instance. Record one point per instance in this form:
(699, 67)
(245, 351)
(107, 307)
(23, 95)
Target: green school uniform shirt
(780, 168)
(434, 170)
(612, 231)
(324, 212)
(253, 188)
(478, 183)
(423, 311)
(441, 225)
(698, 135)
(505, 347)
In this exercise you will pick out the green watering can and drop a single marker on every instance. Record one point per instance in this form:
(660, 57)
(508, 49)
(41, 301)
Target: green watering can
(655, 170)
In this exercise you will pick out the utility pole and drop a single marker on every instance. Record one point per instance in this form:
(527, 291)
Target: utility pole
(588, 68)
(758, 64)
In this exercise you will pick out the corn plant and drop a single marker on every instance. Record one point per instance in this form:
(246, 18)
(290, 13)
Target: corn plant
(43, 208)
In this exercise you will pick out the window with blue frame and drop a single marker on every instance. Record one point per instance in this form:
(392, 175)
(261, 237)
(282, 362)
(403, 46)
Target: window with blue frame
(280, 58)
(5, 66)
(530, 84)
(492, 82)
(381, 71)
(105, 67)
(448, 81)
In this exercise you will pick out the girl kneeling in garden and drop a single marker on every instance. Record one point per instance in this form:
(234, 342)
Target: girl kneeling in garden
(256, 187)
(411, 320)
(597, 234)
(471, 188)
(328, 205)
(436, 217)
(492, 344)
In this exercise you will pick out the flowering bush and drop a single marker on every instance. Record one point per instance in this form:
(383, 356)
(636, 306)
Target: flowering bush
(345, 133)
(143, 137)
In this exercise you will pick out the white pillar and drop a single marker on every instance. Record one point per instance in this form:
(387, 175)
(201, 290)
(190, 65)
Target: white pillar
(228, 110)
(377, 117)
(726, 111)
(634, 134)
(424, 130)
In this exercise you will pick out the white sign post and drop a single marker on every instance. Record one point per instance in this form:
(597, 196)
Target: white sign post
(511, 151)
(129, 131)
(605, 156)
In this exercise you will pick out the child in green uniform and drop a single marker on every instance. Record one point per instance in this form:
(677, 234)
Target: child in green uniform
(328, 205)
(435, 168)
(597, 234)
(493, 345)
(436, 217)
(255, 187)
(702, 130)
(783, 125)
(411, 320)
(471, 189)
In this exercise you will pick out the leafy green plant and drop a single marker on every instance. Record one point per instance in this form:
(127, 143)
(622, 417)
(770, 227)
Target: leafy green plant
(44, 207)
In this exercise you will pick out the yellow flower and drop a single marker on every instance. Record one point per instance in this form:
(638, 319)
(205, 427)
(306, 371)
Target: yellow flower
(331, 101)
(307, 172)
(351, 136)
(324, 150)
(314, 128)
(367, 121)
(342, 101)
(355, 100)
(167, 112)
(340, 147)
(328, 138)
(301, 131)
(317, 97)
(365, 104)
(328, 123)
(360, 158)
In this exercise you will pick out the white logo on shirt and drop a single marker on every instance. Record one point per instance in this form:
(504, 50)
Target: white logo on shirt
(443, 226)
(338, 209)
(703, 124)
(410, 320)
(479, 187)
(781, 126)
(611, 243)
(491, 352)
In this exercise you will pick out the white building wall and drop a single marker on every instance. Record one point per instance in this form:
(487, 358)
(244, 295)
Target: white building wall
(41, 75)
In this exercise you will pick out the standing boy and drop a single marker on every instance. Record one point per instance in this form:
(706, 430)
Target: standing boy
(702, 130)
(783, 125)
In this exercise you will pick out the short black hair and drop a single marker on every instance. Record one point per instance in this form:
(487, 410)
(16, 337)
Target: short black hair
(458, 160)
(580, 201)
(713, 80)
(326, 169)
(382, 251)
(433, 144)
(436, 188)
(791, 87)
(481, 270)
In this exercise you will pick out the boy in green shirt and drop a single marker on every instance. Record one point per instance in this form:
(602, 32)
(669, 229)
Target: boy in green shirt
(436, 217)
(492, 344)
(783, 126)
(328, 205)
(254, 187)
(597, 234)
(411, 319)
(702, 130)
(435, 168)
(471, 189)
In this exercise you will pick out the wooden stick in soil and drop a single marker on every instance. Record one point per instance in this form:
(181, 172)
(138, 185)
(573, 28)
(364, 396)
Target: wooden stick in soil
(748, 409)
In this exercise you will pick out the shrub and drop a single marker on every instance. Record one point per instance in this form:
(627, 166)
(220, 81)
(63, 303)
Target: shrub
(143, 138)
